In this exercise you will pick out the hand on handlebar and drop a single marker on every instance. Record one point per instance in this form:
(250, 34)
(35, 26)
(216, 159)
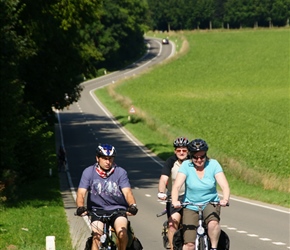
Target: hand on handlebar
(132, 209)
(176, 204)
(162, 196)
(81, 211)
(224, 203)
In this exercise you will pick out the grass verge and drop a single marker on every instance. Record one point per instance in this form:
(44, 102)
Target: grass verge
(37, 212)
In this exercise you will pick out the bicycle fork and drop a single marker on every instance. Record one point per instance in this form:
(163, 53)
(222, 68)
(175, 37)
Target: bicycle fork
(105, 242)
(201, 241)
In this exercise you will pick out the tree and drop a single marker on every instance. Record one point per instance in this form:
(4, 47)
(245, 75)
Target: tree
(121, 39)
(63, 36)
(20, 127)
(205, 13)
(13, 48)
(280, 12)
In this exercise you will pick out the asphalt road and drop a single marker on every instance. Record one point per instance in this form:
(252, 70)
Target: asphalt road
(250, 224)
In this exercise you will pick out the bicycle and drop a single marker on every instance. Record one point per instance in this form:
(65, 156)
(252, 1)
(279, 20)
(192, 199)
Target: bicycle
(107, 241)
(202, 241)
(108, 238)
(164, 232)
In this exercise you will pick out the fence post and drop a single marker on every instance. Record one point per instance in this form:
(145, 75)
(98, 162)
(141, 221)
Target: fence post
(50, 242)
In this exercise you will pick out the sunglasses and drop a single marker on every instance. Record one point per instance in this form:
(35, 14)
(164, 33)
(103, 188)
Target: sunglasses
(181, 150)
(198, 157)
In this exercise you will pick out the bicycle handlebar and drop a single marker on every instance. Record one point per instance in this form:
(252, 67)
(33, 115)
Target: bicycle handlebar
(162, 213)
(184, 204)
(103, 213)
(108, 215)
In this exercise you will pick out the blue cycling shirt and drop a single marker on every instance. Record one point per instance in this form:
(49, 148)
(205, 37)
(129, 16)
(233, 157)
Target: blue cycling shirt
(200, 190)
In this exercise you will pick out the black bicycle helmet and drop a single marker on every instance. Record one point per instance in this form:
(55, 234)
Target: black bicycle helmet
(197, 145)
(180, 142)
(106, 150)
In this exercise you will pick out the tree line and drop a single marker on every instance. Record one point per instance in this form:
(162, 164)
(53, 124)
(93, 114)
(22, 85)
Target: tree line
(169, 15)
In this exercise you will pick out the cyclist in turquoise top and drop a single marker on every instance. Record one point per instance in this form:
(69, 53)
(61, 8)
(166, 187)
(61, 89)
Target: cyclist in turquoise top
(200, 175)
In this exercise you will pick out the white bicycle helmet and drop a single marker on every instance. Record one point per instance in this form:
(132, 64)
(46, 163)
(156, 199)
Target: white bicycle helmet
(180, 142)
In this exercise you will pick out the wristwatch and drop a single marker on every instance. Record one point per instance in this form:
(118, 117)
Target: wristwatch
(134, 205)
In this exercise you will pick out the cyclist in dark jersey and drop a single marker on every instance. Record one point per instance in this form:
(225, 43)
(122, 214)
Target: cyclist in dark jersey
(167, 178)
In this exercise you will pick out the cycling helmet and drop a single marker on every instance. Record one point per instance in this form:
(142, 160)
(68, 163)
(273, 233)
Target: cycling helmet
(180, 142)
(197, 145)
(106, 150)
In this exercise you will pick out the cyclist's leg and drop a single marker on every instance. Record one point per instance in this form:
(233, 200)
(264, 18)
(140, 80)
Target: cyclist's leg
(212, 217)
(189, 223)
(120, 226)
(173, 224)
(97, 230)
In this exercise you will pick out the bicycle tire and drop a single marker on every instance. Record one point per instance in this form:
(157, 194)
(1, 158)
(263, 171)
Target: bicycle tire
(204, 243)
(201, 244)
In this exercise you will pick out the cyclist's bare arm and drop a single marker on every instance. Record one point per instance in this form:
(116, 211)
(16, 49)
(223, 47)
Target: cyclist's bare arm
(179, 181)
(223, 183)
(81, 194)
(162, 186)
(129, 196)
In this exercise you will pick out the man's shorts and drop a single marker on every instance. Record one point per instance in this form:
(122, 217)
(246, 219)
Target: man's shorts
(190, 220)
(171, 210)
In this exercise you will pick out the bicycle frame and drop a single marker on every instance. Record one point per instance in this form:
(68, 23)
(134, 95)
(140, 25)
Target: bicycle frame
(164, 233)
(202, 241)
(164, 230)
(106, 242)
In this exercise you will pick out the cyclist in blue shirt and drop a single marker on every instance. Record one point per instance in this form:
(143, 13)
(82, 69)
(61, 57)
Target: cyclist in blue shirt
(200, 175)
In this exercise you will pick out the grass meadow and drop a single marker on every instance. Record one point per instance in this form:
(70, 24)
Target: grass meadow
(230, 88)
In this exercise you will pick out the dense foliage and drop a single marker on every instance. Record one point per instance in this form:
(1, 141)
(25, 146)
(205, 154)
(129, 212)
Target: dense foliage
(169, 15)
(47, 49)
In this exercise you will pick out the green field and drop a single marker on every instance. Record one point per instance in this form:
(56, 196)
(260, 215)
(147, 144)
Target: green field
(231, 88)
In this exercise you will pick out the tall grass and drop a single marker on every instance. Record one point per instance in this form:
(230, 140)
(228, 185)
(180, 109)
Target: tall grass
(231, 89)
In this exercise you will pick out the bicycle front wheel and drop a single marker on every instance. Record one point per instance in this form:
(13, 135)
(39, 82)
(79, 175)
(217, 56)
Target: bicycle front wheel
(203, 243)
